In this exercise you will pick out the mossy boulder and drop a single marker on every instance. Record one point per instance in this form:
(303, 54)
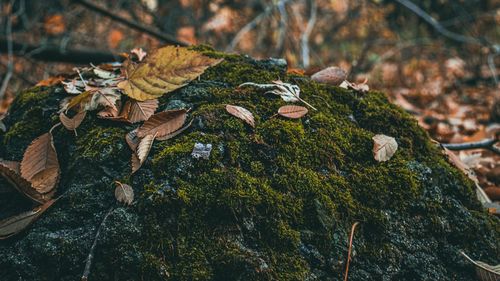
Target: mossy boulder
(272, 203)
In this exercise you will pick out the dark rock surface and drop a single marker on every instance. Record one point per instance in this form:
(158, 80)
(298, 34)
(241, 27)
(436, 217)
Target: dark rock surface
(272, 203)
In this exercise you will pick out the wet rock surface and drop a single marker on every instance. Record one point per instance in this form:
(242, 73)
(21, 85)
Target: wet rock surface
(272, 203)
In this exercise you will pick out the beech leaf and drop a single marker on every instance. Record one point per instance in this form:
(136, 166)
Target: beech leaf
(164, 70)
(124, 193)
(384, 147)
(15, 224)
(241, 113)
(331, 75)
(72, 123)
(136, 111)
(132, 139)
(292, 111)
(10, 171)
(169, 136)
(141, 154)
(484, 271)
(40, 165)
(163, 123)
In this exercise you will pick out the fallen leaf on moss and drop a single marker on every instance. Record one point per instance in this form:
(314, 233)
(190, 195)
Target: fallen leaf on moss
(142, 152)
(10, 171)
(136, 111)
(361, 87)
(40, 165)
(241, 113)
(292, 111)
(163, 123)
(384, 147)
(331, 75)
(110, 113)
(124, 193)
(15, 224)
(93, 98)
(72, 123)
(169, 136)
(164, 70)
(132, 139)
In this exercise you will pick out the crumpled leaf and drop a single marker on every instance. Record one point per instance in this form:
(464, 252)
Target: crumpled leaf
(132, 139)
(40, 165)
(104, 74)
(15, 224)
(139, 52)
(72, 123)
(50, 81)
(142, 152)
(292, 111)
(484, 271)
(10, 171)
(163, 123)
(136, 111)
(241, 113)
(74, 86)
(164, 70)
(124, 193)
(384, 147)
(361, 87)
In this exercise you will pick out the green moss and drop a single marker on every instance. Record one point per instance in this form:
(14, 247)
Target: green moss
(274, 202)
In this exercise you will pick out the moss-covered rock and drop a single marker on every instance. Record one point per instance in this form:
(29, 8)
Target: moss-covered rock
(272, 203)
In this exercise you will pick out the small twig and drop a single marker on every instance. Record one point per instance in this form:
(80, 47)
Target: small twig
(88, 263)
(349, 251)
(304, 39)
(137, 26)
(485, 144)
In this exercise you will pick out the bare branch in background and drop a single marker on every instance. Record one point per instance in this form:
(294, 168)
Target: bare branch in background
(10, 64)
(485, 144)
(282, 27)
(140, 27)
(304, 40)
(252, 24)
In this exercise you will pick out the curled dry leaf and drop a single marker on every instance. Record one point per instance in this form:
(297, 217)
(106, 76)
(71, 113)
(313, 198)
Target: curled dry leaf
(169, 136)
(139, 52)
(484, 271)
(163, 123)
(104, 74)
(40, 165)
(292, 111)
(164, 70)
(384, 147)
(142, 152)
(10, 171)
(361, 87)
(109, 113)
(132, 139)
(93, 98)
(136, 111)
(15, 224)
(331, 75)
(72, 123)
(241, 113)
(124, 193)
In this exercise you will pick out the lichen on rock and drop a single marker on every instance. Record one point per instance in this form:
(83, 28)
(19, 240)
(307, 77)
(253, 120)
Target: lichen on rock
(274, 202)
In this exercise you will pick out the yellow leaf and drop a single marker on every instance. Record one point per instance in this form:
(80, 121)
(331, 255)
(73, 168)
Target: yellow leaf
(163, 71)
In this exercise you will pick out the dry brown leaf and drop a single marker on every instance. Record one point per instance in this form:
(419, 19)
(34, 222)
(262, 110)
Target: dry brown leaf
(10, 171)
(331, 75)
(169, 136)
(136, 111)
(455, 160)
(50, 81)
(15, 224)
(384, 147)
(241, 113)
(93, 98)
(40, 165)
(132, 139)
(292, 111)
(361, 87)
(484, 271)
(164, 70)
(110, 113)
(142, 152)
(124, 193)
(163, 123)
(72, 123)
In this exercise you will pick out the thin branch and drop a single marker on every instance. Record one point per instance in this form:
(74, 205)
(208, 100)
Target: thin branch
(484, 144)
(351, 238)
(54, 53)
(282, 27)
(10, 64)
(252, 24)
(137, 26)
(438, 27)
(88, 263)
(304, 40)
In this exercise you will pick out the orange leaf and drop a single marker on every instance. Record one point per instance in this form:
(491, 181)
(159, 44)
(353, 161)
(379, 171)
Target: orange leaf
(54, 25)
(241, 113)
(50, 81)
